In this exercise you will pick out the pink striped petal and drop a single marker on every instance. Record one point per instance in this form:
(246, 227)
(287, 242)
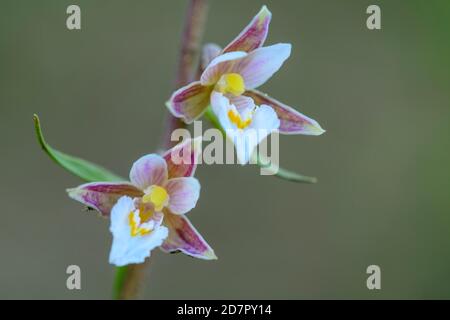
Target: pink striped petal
(291, 121)
(183, 194)
(225, 63)
(189, 102)
(185, 238)
(102, 196)
(149, 170)
(262, 63)
(256, 67)
(182, 159)
(254, 35)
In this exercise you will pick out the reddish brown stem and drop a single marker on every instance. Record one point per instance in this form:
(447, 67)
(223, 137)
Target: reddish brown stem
(188, 58)
(187, 66)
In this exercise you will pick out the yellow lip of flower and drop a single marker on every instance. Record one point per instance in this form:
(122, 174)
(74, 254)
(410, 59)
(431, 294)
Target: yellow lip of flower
(231, 83)
(156, 195)
(237, 120)
(136, 230)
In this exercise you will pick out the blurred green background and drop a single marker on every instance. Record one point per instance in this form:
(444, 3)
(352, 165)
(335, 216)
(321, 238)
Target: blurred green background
(383, 164)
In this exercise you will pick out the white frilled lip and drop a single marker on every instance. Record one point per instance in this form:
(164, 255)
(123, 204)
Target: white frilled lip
(264, 121)
(127, 249)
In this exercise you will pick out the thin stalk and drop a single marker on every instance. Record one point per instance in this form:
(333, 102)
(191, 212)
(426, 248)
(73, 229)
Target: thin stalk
(188, 58)
(128, 279)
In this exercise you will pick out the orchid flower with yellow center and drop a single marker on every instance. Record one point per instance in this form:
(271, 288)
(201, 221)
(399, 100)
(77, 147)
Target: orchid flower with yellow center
(148, 212)
(228, 84)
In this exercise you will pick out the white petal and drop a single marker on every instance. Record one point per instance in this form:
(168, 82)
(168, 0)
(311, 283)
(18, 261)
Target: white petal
(183, 194)
(119, 214)
(265, 118)
(220, 105)
(219, 66)
(127, 249)
(262, 63)
(256, 67)
(133, 252)
(264, 122)
(149, 170)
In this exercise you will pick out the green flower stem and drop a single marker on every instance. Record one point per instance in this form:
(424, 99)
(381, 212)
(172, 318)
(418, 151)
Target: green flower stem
(121, 273)
(128, 281)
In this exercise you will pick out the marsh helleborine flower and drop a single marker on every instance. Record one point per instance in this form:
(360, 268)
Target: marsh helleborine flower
(228, 83)
(149, 211)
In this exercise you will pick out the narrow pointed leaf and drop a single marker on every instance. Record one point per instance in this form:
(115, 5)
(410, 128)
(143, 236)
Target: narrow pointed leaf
(83, 169)
(285, 174)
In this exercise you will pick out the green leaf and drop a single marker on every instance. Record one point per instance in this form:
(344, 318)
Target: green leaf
(83, 169)
(262, 162)
(283, 173)
(87, 171)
